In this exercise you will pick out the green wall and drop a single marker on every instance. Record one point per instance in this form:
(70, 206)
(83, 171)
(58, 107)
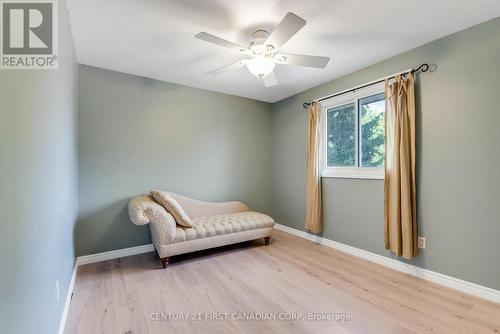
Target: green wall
(139, 134)
(38, 190)
(458, 159)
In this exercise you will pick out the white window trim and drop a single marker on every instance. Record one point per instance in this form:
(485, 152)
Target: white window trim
(348, 172)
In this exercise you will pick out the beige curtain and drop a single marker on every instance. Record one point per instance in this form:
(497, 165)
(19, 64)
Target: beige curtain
(399, 189)
(313, 205)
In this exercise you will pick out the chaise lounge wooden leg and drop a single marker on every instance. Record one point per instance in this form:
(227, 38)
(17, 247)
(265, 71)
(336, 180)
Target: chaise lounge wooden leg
(164, 262)
(266, 240)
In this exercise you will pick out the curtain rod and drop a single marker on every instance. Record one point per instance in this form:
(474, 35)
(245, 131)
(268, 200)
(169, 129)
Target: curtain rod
(424, 68)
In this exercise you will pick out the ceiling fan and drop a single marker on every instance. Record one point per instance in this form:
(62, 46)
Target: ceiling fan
(263, 50)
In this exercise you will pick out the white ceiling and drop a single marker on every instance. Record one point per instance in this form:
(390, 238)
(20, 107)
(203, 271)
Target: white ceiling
(154, 38)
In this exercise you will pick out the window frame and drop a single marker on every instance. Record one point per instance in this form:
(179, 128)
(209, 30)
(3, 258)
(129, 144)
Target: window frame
(355, 172)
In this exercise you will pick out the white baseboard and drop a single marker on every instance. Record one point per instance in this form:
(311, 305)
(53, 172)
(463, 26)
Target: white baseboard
(448, 281)
(81, 260)
(86, 259)
(71, 286)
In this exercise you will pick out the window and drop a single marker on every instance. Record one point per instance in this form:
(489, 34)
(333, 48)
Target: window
(354, 134)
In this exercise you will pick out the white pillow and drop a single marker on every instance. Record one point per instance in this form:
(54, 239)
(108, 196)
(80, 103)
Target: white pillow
(172, 206)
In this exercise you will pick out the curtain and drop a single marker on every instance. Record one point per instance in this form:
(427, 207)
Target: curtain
(400, 223)
(313, 204)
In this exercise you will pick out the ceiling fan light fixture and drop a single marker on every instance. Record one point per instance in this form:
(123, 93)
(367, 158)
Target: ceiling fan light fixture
(263, 53)
(261, 66)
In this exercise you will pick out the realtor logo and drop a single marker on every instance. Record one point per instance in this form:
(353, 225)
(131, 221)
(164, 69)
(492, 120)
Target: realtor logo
(28, 34)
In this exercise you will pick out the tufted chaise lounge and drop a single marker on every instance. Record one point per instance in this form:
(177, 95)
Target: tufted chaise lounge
(214, 224)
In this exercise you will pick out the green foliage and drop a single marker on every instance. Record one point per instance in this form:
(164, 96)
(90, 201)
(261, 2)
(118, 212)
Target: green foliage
(341, 140)
(341, 150)
(372, 137)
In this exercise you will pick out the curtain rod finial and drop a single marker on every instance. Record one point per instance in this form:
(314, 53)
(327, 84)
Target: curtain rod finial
(306, 104)
(424, 68)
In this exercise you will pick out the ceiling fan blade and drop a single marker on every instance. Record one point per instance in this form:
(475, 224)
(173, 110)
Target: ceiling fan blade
(270, 80)
(302, 60)
(220, 42)
(288, 27)
(223, 69)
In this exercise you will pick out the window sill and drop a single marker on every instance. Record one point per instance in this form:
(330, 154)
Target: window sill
(354, 173)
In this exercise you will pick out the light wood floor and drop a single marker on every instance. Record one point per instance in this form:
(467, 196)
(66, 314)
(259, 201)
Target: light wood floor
(291, 276)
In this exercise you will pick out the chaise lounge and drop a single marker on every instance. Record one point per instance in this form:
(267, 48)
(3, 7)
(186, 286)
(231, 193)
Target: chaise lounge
(182, 225)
